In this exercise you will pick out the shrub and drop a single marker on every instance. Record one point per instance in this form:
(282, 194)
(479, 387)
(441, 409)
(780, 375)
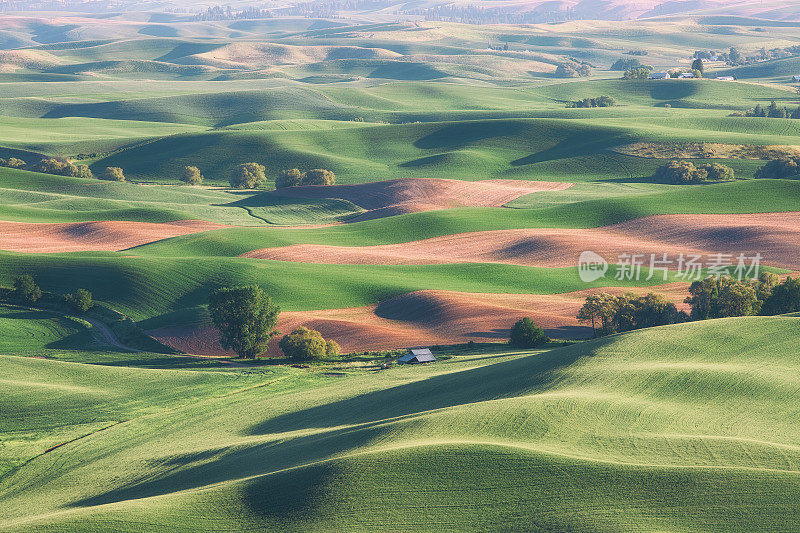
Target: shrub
(784, 167)
(304, 344)
(319, 176)
(113, 174)
(26, 289)
(191, 175)
(600, 101)
(680, 172)
(525, 334)
(13, 162)
(288, 178)
(80, 300)
(246, 318)
(248, 176)
(717, 172)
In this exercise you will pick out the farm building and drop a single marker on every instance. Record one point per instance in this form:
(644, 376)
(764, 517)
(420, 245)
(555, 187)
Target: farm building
(685, 75)
(414, 356)
(796, 78)
(659, 76)
(726, 78)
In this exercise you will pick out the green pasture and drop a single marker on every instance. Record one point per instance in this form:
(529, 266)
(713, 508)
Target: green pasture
(623, 433)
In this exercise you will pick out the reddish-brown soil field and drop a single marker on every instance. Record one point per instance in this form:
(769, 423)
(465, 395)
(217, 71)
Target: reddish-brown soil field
(91, 236)
(424, 318)
(776, 236)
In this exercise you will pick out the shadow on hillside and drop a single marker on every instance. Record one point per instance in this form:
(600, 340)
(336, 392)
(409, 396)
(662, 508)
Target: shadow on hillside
(368, 413)
(462, 134)
(501, 380)
(571, 146)
(192, 470)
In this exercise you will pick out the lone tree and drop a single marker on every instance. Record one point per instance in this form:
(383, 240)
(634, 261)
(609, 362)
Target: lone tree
(26, 289)
(319, 176)
(191, 175)
(246, 319)
(248, 176)
(305, 344)
(288, 178)
(80, 300)
(526, 334)
(697, 64)
(113, 174)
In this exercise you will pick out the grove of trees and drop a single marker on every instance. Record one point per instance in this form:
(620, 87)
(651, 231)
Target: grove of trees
(686, 172)
(784, 167)
(613, 314)
(293, 177)
(600, 101)
(245, 317)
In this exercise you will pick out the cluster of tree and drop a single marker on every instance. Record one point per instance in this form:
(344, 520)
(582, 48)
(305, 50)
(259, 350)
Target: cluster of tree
(712, 297)
(28, 292)
(227, 13)
(735, 57)
(614, 314)
(725, 296)
(63, 167)
(304, 344)
(771, 111)
(526, 334)
(626, 63)
(600, 101)
(638, 73)
(785, 167)
(479, 15)
(686, 172)
(293, 178)
(637, 53)
(246, 318)
(573, 70)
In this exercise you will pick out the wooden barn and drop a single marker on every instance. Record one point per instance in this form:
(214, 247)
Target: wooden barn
(415, 356)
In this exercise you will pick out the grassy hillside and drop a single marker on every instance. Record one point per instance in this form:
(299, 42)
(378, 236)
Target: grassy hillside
(679, 428)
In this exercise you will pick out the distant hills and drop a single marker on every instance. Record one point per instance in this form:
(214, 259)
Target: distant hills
(462, 11)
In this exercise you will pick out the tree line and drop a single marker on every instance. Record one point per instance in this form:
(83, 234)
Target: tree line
(62, 167)
(712, 297)
(771, 111)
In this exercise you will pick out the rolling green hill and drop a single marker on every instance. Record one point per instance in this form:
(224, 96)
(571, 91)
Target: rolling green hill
(625, 433)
